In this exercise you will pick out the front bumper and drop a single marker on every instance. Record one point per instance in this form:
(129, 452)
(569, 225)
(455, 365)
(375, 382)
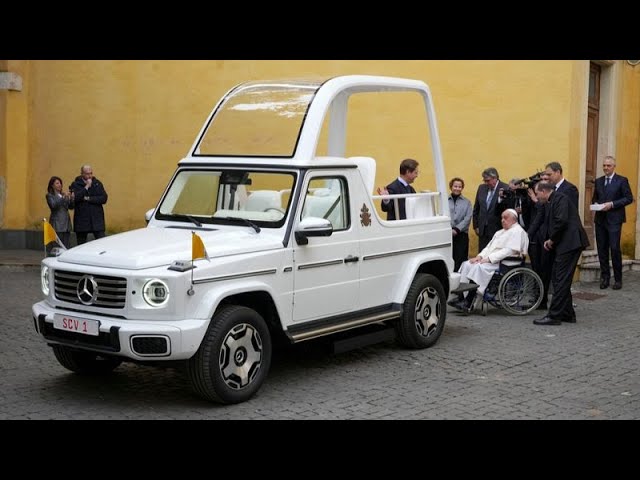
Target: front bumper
(116, 336)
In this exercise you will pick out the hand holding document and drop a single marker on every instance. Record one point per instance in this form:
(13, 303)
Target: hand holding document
(596, 207)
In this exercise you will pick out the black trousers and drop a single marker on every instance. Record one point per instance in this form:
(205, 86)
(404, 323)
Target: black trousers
(608, 238)
(483, 241)
(541, 263)
(64, 238)
(82, 236)
(564, 266)
(460, 249)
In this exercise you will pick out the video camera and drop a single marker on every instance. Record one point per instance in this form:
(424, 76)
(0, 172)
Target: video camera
(522, 185)
(531, 181)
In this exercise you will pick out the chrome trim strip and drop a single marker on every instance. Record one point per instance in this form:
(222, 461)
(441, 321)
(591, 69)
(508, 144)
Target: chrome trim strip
(320, 264)
(322, 331)
(402, 252)
(234, 276)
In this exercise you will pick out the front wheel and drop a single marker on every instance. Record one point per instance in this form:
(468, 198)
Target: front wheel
(84, 363)
(423, 313)
(234, 357)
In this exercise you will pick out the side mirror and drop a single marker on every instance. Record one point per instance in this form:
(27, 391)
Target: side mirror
(149, 215)
(313, 227)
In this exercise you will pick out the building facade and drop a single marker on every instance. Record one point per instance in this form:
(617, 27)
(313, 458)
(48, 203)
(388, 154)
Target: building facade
(134, 120)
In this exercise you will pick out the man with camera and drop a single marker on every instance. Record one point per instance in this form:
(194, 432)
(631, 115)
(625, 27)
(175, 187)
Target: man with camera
(540, 258)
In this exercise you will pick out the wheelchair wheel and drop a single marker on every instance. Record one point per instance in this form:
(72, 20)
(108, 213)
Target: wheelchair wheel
(520, 291)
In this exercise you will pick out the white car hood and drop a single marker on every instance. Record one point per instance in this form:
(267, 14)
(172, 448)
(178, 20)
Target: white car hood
(153, 247)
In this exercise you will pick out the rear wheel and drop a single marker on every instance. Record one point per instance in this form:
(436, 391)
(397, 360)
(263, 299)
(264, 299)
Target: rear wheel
(520, 291)
(234, 357)
(84, 363)
(423, 313)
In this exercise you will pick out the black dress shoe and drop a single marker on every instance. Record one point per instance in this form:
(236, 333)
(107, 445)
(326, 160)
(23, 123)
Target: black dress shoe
(546, 321)
(458, 305)
(604, 283)
(617, 286)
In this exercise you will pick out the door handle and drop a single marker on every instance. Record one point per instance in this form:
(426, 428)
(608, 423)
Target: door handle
(351, 259)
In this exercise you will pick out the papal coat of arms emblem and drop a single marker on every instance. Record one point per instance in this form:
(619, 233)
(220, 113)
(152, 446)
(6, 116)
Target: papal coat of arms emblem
(365, 216)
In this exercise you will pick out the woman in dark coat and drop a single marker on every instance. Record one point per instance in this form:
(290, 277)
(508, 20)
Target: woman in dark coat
(60, 202)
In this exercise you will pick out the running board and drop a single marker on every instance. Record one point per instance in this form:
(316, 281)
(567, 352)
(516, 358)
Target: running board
(342, 326)
(465, 287)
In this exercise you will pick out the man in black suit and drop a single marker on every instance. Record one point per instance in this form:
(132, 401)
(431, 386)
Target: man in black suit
(402, 185)
(541, 260)
(486, 212)
(567, 239)
(554, 171)
(614, 193)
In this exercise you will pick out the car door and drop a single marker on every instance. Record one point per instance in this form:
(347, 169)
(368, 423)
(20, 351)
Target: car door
(327, 269)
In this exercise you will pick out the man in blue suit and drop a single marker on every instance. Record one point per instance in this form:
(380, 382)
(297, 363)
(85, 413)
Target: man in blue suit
(486, 209)
(613, 192)
(401, 185)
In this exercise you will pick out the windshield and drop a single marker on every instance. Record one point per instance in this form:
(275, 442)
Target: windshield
(228, 196)
(259, 119)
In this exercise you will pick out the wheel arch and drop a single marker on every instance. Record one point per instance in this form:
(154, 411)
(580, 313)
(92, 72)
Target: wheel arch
(262, 302)
(434, 265)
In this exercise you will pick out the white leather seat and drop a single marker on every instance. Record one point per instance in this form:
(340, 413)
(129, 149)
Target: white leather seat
(261, 200)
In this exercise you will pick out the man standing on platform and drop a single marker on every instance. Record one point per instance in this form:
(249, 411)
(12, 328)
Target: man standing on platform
(612, 191)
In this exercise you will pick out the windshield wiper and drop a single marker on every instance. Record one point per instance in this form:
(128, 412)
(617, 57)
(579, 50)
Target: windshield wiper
(246, 222)
(190, 218)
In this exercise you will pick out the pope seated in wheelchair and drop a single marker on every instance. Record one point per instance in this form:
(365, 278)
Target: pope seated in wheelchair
(511, 241)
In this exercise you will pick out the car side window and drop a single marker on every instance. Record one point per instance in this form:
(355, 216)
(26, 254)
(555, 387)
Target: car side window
(327, 197)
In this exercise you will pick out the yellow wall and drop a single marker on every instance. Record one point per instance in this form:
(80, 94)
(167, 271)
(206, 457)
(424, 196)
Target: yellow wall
(628, 148)
(133, 120)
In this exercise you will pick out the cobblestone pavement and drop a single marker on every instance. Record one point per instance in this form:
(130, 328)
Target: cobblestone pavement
(493, 367)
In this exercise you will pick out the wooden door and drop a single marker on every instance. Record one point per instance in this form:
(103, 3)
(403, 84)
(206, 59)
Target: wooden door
(593, 121)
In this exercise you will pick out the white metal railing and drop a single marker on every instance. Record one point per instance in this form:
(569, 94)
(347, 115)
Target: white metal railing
(417, 205)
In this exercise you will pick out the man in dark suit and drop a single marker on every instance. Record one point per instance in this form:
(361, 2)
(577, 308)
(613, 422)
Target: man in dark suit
(567, 239)
(568, 189)
(486, 212)
(402, 185)
(90, 196)
(541, 260)
(613, 192)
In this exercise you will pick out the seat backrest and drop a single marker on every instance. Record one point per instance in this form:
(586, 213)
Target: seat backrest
(367, 169)
(260, 200)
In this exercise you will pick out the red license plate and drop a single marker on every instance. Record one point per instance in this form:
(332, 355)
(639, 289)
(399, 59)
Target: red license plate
(76, 325)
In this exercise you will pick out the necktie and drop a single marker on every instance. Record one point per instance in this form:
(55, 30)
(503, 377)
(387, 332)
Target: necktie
(489, 197)
(606, 181)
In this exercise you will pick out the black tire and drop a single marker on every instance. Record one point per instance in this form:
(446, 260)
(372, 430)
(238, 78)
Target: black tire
(234, 357)
(423, 313)
(520, 291)
(85, 363)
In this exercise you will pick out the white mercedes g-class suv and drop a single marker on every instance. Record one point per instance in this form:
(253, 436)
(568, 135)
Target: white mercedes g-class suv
(258, 236)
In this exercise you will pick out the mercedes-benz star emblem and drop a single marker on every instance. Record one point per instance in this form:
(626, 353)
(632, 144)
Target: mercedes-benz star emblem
(87, 290)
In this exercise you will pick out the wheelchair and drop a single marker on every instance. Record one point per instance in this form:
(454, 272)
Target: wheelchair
(514, 287)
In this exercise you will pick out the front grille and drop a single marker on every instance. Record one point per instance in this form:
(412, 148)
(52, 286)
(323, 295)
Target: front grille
(112, 291)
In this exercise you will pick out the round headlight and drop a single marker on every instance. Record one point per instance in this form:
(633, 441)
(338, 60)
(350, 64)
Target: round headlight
(155, 292)
(44, 280)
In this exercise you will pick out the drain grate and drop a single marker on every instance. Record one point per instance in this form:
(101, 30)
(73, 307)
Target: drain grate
(587, 295)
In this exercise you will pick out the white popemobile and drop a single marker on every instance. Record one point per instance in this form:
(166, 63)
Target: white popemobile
(295, 247)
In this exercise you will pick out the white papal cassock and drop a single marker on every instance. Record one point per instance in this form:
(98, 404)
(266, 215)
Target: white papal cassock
(505, 243)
